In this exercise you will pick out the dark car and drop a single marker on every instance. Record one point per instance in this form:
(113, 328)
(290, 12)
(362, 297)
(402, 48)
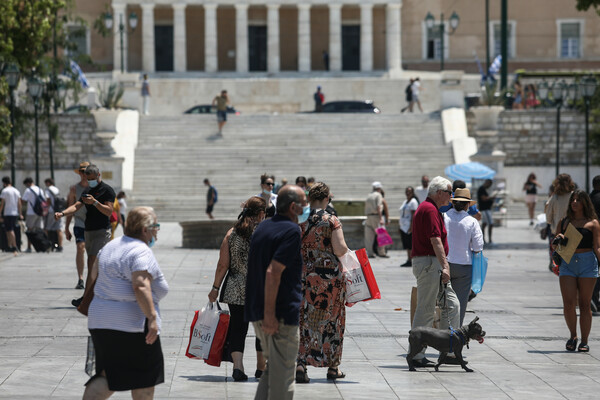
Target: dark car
(77, 109)
(365, 106)
(208, 109)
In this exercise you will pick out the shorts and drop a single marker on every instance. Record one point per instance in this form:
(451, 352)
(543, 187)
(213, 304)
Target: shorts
(34, 221)
(530, 198)
(10, 222)
(95, 240)
(406, 240)
(582, 265)
(52, 224)
(79, 234)
(209, 209)
(486, 217)
(221, 116)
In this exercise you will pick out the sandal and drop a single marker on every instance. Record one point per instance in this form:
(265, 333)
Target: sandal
(583, 348)
(571, 344)
(301, 374)
(335, 373)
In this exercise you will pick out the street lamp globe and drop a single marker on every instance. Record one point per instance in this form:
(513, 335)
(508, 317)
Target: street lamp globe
(454, 20)
(12, 75)
(108, 20)
(543, 90)
(35, 87)
(133, 20)
(429, 20)
(573, 92)
(588, 87)
(559, 91)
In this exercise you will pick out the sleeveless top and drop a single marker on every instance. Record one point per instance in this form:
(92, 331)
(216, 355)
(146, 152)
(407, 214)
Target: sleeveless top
(530, 188)
(79, 214)
(587, 241)
(234, 290)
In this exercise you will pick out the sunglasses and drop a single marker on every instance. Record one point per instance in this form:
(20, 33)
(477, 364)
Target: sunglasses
(155, 226)
(447, 191)
(269, 184)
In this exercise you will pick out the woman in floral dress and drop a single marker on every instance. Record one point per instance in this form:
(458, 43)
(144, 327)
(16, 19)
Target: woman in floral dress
(322, 313)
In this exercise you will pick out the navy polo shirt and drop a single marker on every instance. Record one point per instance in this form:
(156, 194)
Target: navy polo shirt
(278, 239)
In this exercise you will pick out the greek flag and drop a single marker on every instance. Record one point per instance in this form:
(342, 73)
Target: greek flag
(79, 74)
(496, 64)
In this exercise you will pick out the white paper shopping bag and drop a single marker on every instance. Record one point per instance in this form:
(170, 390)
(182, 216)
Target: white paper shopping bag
(203, 331)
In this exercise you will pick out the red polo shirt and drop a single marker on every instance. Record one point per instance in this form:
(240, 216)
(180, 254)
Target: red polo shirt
(427, 222)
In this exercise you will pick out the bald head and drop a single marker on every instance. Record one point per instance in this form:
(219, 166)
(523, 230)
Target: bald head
(290, 197)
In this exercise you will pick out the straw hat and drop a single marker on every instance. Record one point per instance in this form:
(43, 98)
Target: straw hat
(463, 195)
(82, 166)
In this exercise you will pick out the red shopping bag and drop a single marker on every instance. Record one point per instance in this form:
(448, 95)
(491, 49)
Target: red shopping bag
(360, 281)
(208, 333)
(383, 237)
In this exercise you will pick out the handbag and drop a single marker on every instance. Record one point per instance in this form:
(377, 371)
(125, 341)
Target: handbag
(480, 265)
(208, 333)
(383, 237)
(360, 281)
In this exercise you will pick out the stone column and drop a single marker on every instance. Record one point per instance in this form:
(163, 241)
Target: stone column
(304, 37)
(273, 63)
(392, 37)
(335, 37)
(179, 38)
(241, 38)
(119, 17)
(366, 37)
(210, 38)
(148, 62)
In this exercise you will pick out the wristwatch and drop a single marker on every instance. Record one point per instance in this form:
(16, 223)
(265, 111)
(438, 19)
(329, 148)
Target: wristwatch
(96, 202)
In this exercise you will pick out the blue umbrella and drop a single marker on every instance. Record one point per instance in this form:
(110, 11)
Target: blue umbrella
(469, 171)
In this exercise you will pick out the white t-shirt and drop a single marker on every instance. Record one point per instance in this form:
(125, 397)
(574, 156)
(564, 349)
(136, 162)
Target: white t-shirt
(123, 205)
(464, 235)
(51, 193)
(421, 193)
(114, 305)
(406, 214)
(415, 87)
(31, 193)
(11, 197)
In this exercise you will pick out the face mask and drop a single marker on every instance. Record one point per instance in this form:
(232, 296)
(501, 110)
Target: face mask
(304, 216)
(152, 242)
(265, 191)
(93, 183)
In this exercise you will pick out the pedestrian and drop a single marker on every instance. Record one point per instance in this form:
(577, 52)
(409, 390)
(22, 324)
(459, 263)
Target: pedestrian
(485, 203)
(121, 196)
(407, 212)
(146, 95)
(98, 200)
(75, 193)
(10, 209)
(303, 183)
(323, 312)
(53, 227)
(408, 95)
(124, 318)
(266, 193)
(309, 182)
(221, 102)
(421, 191)
(33, 220)
(578, 277)
(274, 291)
(115, 218)
(558, 204)
(326, 60)
(430, 264)
(415, 92)
(595, 197)
(211, 198)
(319, 98)
(530, 188)
(472, 210)
(464, 237)
(233, 262)
(374, 219)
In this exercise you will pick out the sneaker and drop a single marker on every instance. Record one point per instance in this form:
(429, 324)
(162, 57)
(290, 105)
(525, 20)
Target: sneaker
(80, 285)
(408, 263)
(59, 249)
(76, 302)
(28, 250)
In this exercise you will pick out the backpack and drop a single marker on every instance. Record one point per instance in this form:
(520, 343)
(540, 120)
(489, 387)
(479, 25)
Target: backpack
(408, 92)
(40, 206)
(58, 203)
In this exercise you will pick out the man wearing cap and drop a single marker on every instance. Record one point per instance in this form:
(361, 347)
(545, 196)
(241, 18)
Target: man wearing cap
(75, 193)
(374, 213)
(319, 99)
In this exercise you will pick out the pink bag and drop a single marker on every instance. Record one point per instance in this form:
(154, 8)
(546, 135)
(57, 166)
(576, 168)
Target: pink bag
(383, 237)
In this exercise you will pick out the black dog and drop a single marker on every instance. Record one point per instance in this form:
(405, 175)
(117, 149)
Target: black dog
(445, 341)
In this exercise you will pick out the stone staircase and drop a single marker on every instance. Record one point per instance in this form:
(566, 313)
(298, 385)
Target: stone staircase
(347, 151)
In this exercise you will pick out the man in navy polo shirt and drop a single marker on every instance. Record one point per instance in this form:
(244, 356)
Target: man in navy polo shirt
(274, 291)
(429, 262)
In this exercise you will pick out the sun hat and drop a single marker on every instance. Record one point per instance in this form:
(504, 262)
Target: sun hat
(376, 185)
(83, 165)
(463, 195)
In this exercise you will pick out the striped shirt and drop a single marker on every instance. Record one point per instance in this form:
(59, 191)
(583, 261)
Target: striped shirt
(114, 305)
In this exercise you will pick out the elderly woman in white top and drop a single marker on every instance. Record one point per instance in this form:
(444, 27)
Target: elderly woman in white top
(124, 318)
(464, 236)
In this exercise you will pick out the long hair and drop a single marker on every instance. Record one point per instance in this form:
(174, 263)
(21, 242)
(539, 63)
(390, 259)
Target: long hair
(563, 184)
(246, 223)
(588, 208)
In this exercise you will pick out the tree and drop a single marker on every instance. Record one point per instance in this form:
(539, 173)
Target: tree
(584, 5)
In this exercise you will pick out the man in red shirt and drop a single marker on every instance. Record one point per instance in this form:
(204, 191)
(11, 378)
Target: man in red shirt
(429, 262)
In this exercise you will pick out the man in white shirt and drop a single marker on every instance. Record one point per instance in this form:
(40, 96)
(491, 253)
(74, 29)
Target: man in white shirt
(52, 226)
(416, 90)
(421, 191)
(32, 220)
(10, 209)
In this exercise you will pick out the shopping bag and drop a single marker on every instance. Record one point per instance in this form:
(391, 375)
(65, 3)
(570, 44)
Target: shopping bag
(383, 237)
(437, 314)
(208, 333)
(360, 281)
(480, 264)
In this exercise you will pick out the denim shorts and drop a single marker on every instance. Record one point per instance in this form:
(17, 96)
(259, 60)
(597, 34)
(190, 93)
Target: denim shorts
(582, 265)
(79, 234)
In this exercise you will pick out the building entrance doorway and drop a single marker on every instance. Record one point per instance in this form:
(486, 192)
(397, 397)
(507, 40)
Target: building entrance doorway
(163, 47)
(350, 47)
(257, 48)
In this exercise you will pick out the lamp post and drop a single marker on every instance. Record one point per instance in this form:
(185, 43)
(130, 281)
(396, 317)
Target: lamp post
(588, 88)
(108, 22)
(12, 77)
(35, 87)
(454, 22)
(557, 92)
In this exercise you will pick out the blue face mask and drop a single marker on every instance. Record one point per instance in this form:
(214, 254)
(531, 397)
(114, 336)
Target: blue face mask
(265, 191)
(152, 242)
(304, 216)
(93, 183)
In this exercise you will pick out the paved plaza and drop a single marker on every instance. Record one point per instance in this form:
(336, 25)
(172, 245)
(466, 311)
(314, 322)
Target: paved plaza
(43, 339)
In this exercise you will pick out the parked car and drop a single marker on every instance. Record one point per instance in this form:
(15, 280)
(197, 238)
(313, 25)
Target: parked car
(77, 109)
(364, 106)
(208, 109)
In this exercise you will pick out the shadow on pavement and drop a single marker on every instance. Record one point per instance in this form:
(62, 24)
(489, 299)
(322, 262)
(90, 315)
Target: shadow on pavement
(205, 378)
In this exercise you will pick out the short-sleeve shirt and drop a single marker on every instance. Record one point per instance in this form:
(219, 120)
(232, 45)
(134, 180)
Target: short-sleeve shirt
(51, 193)
(221, 103)
(30, 195)
(114, 305)
(472, 210)
(210, 193)
(94, 219)
(406, 214)
(145, 88)
(276, 239)
(484, 204)
(374, 203)
(427, 223)
(11, 196)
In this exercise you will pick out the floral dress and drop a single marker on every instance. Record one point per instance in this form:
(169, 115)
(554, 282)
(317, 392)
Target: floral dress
(322, 312)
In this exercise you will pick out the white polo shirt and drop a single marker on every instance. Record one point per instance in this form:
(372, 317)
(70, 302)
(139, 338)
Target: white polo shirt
(464, 236)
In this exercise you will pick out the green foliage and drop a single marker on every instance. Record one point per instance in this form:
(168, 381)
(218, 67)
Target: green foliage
(490, 96)
(111, 97)
(584, 5)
